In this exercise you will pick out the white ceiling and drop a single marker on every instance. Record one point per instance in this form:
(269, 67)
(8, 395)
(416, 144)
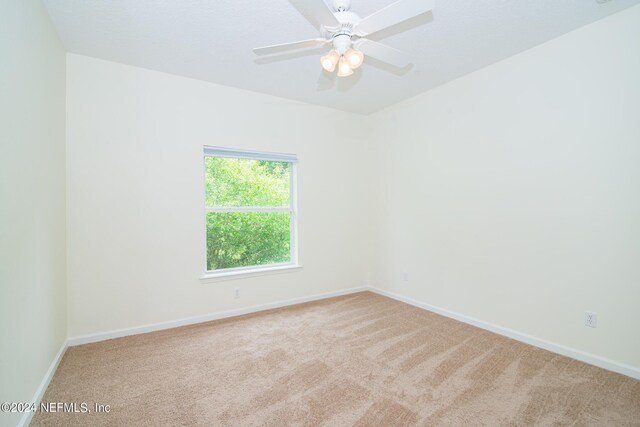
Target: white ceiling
(212, 40)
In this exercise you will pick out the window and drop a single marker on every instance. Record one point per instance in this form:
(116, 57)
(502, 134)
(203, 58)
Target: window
(250, 210)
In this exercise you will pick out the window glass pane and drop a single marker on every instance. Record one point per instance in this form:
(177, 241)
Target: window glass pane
(243, 239)
(243, 182)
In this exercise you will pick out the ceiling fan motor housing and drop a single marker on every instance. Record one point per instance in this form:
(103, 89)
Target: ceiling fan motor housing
(342, 42)
(341, 5)
(348, 21)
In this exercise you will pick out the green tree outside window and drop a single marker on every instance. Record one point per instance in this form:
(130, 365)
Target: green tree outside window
(248, 212)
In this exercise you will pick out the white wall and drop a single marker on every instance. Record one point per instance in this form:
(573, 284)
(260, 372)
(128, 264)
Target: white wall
(508, 195)
(512, 194)
(136, 239)
(32, 200)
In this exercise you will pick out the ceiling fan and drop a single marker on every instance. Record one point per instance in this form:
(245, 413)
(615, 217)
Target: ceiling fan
(347, 32)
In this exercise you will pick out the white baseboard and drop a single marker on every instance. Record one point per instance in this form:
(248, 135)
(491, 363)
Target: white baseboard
(86, 339)
(26, 418)
(573, 353)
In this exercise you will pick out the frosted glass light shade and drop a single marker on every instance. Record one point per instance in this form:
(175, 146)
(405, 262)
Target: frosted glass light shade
(344, 69)
(329, 61)
(355, 58)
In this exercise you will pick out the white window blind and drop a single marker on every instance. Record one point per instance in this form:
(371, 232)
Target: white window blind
(252, 155)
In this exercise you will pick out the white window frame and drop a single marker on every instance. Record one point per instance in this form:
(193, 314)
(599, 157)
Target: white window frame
(229, 273)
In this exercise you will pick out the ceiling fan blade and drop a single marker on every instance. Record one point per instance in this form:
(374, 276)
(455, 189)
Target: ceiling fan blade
(393, 14)
(383, 53)
(285, 47)
(317, 12)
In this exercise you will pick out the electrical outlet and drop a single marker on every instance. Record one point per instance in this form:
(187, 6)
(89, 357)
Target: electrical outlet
(590, 319)
(405, 276)
(236, 293)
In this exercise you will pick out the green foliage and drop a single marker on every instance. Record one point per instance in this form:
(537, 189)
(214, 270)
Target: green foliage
(249, 183)
(240, 239)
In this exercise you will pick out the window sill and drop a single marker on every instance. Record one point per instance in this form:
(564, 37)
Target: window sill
(250, 272)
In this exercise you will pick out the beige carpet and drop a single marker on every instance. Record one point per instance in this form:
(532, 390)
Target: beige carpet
(360, 360)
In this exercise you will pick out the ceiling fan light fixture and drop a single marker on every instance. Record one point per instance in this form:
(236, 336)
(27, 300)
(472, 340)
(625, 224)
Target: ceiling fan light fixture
(330, 60)
(344, 69)
(355, 58)
(348, 33)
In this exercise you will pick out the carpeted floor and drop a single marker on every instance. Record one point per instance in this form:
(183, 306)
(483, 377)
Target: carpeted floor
(361, 360)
